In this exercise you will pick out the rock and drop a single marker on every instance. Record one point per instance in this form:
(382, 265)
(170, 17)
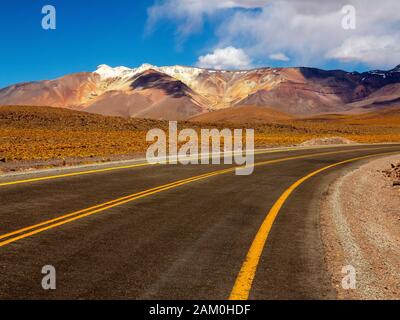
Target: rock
(3, 160)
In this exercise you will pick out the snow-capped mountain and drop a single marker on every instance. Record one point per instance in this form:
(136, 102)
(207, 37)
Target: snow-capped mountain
(184, 74)
(178, 92)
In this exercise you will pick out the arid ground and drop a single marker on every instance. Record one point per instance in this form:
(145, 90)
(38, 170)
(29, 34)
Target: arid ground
(360, 227)
(44, 133)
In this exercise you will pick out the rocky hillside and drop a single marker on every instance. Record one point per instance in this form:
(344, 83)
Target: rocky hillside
(178, 93)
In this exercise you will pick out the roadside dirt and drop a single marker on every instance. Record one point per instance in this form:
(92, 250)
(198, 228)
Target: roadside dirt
(327, 141)
(31, 165)
(360, 222)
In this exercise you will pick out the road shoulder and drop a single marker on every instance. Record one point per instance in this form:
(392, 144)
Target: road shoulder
(360, 227)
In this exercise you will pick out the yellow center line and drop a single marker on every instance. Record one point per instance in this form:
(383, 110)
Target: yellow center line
(92, 208)
(73, 174)
(245, 278)
(61, 220)
(79, 173)
(89, 213)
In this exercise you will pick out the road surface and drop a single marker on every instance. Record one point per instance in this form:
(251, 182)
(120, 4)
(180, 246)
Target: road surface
(172, 231)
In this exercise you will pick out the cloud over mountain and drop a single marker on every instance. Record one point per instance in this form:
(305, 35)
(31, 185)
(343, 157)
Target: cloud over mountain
(279, 56)
(226, 58)
(309, 31)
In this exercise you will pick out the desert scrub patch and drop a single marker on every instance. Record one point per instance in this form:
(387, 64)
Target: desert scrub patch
(41, 133)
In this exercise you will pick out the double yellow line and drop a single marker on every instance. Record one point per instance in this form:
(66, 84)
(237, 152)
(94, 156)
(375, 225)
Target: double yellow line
(88, 172)
(64, 219)
(59, 221)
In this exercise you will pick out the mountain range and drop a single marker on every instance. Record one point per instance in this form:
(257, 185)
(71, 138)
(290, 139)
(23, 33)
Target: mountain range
(181, 93)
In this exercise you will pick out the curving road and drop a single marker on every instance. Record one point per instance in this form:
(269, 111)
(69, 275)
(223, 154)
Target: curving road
(172, 231)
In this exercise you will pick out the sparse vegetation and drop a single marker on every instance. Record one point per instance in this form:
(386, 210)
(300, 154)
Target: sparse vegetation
(40, 133)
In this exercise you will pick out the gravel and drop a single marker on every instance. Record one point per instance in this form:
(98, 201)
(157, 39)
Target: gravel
(360, 219)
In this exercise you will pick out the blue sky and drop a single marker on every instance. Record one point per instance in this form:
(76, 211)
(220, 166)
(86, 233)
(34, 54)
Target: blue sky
(209, 33)
(89, 33)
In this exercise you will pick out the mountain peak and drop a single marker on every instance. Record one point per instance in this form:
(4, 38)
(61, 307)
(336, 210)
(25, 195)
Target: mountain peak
(147, 66)
(184, 74)
(105, 71)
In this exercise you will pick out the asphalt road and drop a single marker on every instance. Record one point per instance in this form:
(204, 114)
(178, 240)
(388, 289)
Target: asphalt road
(187, 240)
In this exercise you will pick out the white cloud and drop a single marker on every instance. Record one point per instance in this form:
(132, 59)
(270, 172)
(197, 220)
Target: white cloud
(309, 31)
(370, 50)
(226, 58)
(279, 57)
(190, 13)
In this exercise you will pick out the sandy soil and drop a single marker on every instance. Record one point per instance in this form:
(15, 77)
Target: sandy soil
(326, 141)
(360, 220)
